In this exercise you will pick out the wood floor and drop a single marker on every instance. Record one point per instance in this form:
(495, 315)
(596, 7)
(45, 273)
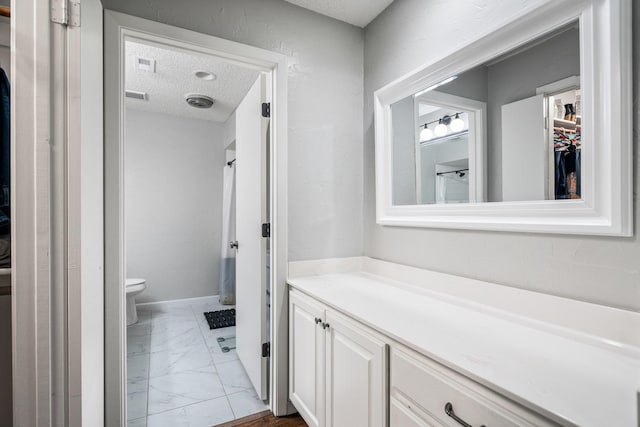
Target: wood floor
(266, 419)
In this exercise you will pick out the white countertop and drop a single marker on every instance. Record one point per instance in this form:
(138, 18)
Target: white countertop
(566, 376)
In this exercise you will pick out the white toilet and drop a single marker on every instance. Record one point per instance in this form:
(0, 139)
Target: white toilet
(133, 288)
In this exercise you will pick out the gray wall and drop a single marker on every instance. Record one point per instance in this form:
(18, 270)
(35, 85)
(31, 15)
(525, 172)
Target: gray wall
(472, 84)
(325, 108)
(403, 123)
(598, 269)
(173, 204)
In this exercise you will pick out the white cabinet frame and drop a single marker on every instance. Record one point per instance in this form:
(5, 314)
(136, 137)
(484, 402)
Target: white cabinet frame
(606, 80)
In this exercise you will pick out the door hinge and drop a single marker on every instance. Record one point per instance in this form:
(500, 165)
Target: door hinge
(266, 109)
(66, 12)
(266, 230)
(266, 349)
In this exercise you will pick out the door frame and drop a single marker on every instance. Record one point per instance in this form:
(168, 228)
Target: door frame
(477, 113)
(35, 292)
(119, 26)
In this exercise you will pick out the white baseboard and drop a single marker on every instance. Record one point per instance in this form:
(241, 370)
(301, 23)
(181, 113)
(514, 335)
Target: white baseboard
(174, 302)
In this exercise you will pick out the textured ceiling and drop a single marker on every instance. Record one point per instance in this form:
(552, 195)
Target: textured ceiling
(356, 12)
(174, 78)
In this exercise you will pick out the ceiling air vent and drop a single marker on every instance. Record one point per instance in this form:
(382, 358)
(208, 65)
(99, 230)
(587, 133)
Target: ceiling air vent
(198, 100)
(135, 94)
(146, 64)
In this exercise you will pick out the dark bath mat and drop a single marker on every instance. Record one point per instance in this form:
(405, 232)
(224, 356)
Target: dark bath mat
(221, 318)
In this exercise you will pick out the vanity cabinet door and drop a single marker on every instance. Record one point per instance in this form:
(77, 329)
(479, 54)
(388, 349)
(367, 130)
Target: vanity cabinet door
(356, 365)
(306, 357)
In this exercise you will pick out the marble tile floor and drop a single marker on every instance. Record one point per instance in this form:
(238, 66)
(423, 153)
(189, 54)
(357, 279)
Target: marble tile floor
(177, 375)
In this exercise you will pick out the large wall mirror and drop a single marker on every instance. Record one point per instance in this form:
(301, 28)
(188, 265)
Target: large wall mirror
(527, 128)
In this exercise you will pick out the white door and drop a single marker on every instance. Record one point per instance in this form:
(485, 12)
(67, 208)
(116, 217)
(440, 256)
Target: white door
(306, 358)
(356, 365)
(251, 212)
(524, 150)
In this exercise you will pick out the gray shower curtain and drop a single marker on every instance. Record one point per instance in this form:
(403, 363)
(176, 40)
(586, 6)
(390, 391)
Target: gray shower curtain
(228, 262)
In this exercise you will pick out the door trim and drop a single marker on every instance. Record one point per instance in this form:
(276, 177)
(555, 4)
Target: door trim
(117, 27)
(32, 140)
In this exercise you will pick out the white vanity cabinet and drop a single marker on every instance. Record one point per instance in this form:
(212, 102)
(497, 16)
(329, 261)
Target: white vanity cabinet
(461, 352)
(346, 374)
(338, 368)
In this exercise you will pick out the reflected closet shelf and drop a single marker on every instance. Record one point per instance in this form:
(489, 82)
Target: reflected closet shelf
(567, 124)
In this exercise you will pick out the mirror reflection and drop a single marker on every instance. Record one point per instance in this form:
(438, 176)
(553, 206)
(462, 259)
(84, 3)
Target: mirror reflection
(507, 130)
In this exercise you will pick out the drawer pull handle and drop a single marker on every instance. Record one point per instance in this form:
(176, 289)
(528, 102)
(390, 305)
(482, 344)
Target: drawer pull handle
(318, 320)
(448, 409)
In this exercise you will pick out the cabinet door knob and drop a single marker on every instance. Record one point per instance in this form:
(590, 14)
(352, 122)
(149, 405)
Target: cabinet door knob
(318, 320)
(448, 409)
(325, 326)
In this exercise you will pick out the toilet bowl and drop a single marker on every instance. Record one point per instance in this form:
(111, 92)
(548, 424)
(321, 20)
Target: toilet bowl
(133, 288)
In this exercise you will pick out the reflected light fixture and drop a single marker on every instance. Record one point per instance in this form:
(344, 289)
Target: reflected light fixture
(425, 134)
(441, 128)
(457, 124)
(445, 125)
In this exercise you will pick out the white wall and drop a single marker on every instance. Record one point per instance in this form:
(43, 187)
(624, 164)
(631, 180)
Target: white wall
(325, 108)
(173, 204)
(599, 269)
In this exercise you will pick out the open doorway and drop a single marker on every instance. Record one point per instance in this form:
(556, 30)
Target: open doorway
(192, 121)
(450, 166)
(188, 119)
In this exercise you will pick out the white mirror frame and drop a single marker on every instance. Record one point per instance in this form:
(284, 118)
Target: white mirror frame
(606, 207)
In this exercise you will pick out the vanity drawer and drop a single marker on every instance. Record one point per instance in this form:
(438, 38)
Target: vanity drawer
(402, 415)
(423, 388)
